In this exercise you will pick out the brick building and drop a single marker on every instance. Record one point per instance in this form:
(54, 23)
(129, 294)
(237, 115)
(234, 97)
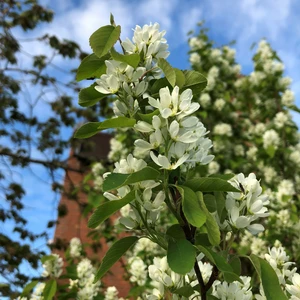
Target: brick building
(73, 224)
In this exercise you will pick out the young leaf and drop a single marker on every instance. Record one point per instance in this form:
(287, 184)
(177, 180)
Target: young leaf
(167, 70)
(220, 202)
(89, 96)
(28, 288)
(114, 253)
(50, 289)
(105, 210)
(194, 81)
(116, 180)
(210, 184)
(103, 39)
(210, 202)
(89, 129)
(181, 256)
(191, 207)
(180, 78)
(91, 66)
(130, 59)
(211, 224)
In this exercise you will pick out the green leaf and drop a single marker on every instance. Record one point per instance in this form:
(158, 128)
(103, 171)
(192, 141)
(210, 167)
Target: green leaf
(226, 176)
(181, 256)
(202, 239)
(176, 232)
(209, 184)
(148, 117)
(89, 129)
(103, 39)
(116, 180)
(105, 210)
(91, 66)
(210, 202)
(130, 59)
(89, 96)
(270, 282)
(114, 253)
(28, 288)
(235, 263)
(185, 291)
(256, 264)
(191, 207)
(50, 289)
(211, 224)
(271, 151)
(168, 71)
(220, 202)
(221, 263)
(180, 78)
(46, 258)
(194, 81)
(157, 85)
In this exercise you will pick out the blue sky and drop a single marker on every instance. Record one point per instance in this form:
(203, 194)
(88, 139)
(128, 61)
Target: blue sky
(245, 21)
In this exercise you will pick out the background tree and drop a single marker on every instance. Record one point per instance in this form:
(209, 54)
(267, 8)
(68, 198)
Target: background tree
(38, 113)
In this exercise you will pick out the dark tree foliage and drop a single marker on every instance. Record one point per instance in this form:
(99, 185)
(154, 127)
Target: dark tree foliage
(26, 135)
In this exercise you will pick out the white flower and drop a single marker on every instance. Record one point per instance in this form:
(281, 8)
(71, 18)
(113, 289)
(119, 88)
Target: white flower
(53, 266)
(248, 205)
(129, 165)
(285, 188)
(223, 129)
(205, 100)
(295, 157)
(284, 82)
(256, 77)
(279, 261)
(195, 58)
(294, 289)
(234, 290)
(165, 163)
(160, 272)
(196, 43)
(213, 167)
(219, 104)
(281, 119)
(111, 293)
(251, 153)
(288, 98)
(271, 138)
(269, 173)
(138, 270)
(108, 84)
(149, 40)
(75, 247)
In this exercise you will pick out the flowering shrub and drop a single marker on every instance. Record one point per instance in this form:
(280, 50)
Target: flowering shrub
(195, 248)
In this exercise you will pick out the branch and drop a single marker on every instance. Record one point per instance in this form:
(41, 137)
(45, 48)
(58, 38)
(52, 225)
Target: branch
(48, 164)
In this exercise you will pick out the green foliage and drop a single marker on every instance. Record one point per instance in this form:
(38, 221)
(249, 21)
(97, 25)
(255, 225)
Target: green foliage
(103, 39)
(191, 207)
(167, 70)
(105, 210)
(50, 289)
(221, 263)
(194, 81)
(92, 128)
(117, 180)
(91, 67)
(130, 59)
(181, 256)
(89, 96)
(210, 184)
(211, 224)
(114, 253)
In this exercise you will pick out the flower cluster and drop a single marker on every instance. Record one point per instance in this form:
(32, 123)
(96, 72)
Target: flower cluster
(53, 266)
(84, 284)
(174, 134)
(75, 247)
(247, 206)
